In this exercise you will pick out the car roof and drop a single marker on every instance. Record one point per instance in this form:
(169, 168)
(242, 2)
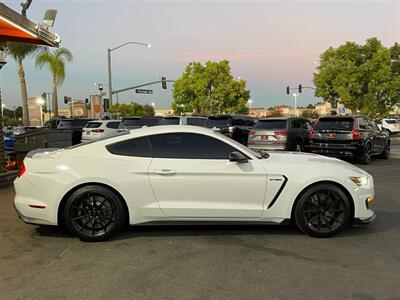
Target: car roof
(103, 121)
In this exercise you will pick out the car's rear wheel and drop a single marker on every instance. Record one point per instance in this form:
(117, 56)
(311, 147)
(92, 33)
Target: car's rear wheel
(94, 213)
(366, 155)
(322, 210)
(386, 152)
(298, 146)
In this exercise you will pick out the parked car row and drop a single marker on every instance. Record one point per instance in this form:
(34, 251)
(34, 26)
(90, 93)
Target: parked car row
(340, 136)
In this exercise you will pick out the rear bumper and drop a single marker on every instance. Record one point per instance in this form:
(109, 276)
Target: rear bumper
(338, 150)
(270, 147)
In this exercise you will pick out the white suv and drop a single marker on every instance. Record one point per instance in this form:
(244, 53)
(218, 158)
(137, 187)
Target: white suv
(184, 120)
(100, 128)
(390, 125)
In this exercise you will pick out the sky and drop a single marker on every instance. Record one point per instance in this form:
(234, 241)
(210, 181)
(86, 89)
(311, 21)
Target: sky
(270, 44)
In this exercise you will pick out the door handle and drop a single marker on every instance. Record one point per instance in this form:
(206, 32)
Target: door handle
(165, 172)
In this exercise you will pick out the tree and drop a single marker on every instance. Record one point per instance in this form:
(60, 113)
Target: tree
(132, 109)
(19, 52)
(362, 77)
(209, 89)
(310, 106)
(56, 62)
(310, 114)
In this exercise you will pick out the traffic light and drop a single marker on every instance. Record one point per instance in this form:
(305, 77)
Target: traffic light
(44, 96)
(67, 99)
(164, 82)
(300, 88)
(287, 90)
(86, 101)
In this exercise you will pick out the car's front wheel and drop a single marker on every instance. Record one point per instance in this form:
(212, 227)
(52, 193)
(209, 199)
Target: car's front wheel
(366, 155)
(322, 210)
(94, 213)
(386, 152)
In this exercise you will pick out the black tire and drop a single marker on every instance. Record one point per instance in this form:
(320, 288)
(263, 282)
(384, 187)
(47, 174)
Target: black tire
(322, 210)
(386, 152)
(365, 158)
(94, 213)
(298, 146)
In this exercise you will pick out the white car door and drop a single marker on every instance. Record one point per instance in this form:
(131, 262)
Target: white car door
(191, 177)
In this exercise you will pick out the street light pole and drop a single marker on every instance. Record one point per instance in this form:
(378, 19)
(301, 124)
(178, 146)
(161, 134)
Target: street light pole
(295, 104)
(109, 77)
(109, 50)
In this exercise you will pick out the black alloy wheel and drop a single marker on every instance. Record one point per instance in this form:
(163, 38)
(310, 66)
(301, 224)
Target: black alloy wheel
(366, 155)
(298, 147)
(386, 152)
(322, 210)
(94, 213)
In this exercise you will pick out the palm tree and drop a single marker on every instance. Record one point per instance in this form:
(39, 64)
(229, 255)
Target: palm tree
(56, 63)
(19, 52)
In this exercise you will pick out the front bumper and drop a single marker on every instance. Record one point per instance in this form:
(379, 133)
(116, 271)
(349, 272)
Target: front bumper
(364, 221)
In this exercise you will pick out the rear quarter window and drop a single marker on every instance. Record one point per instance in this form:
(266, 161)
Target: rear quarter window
(139, 147)
(113, 125)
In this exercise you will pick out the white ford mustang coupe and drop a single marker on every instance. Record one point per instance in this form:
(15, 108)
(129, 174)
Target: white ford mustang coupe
(182, 174)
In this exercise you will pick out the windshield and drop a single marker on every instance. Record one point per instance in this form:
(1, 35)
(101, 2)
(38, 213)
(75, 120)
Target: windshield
(344, 124)
(391, 121)
(218, 122)
(170, 121)
(271, 124)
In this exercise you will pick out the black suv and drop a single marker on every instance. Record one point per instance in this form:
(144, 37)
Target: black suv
(289, 134)
(236, 127)
(355, 137)
(138, 122)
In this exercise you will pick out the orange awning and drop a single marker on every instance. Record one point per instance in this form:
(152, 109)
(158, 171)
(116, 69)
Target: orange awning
(17, 28)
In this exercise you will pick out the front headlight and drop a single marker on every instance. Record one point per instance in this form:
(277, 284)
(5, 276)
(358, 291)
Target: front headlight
(360, 181)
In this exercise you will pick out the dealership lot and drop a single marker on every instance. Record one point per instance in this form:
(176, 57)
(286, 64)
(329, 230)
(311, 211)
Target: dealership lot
(208, 262)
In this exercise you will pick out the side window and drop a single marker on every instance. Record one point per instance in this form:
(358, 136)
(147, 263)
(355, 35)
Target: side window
(135, 147)
(306, 125)
(238, 122)
(113, 125)
(295, 124)
(249, 122)
(362, 123)
(189, 146)
(192, 121)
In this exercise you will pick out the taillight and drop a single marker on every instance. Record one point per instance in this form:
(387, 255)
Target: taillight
(231, 129)
(281, 135)
(251, 132)
(356, 135)
(98, 130)
(22, 170)
(280, 132)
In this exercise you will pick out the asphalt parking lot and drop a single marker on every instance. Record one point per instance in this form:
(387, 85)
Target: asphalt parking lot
(208, 262)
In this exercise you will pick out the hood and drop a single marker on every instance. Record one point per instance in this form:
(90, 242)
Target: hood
(307, 159)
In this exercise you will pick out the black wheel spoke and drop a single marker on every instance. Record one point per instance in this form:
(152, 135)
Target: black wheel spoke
(80, 217)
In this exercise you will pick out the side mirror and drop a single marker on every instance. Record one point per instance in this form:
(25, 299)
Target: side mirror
(238, 157)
